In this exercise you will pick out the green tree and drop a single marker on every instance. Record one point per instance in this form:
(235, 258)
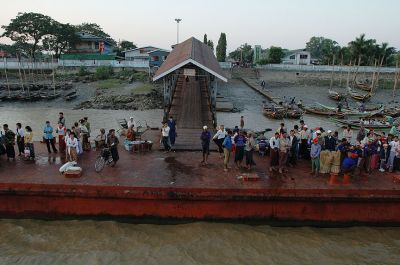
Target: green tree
(61, 38)
(275, 55)
(205, 41)
(96, 30)
(126, 45)
(28, 28)
(221, 48)
(244, 54)
(322, 48)
(363, 49)
(314, 46)
(210, 43)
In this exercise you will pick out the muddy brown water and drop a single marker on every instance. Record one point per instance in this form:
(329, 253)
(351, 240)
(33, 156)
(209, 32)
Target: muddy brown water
(108, 242)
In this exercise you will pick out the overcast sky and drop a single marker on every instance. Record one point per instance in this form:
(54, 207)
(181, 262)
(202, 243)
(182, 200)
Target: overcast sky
(286, 23)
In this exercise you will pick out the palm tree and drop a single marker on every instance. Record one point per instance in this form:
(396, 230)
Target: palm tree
(361, 48)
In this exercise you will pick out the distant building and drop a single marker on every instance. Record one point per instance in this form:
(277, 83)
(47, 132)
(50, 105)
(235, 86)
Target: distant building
(90, 44)
(297, 57)
(153, 55)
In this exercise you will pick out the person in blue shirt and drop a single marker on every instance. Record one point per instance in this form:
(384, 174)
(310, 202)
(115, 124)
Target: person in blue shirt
(314, 154)
(172, 130)
(240, 141)
(227, 145)
(48, 137)
(349, 163)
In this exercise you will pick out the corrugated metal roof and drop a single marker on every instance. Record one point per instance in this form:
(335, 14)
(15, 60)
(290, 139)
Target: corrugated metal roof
(191, 51)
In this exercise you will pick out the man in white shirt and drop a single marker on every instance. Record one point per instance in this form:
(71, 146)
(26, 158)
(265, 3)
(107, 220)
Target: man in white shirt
(274, 151)
(394, 145)
(219, 139)
(165, 137)
(304, 137)
(348, 134)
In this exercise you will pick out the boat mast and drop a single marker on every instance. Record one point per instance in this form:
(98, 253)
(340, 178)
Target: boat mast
(378, 74)
(341, 72)
(348, 75)
(396, 78)
(333, 67)
(54, 84)
(356, 72)
(5, 73)
(19, 72)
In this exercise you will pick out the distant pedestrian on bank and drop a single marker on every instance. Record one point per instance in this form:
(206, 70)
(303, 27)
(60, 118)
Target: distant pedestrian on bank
(241, 122)
(165, 137)
(227, 145)
(49, 138)
(9, 137)
(28, 141)
(20, 132)
(205, 144)
(172, 130)
(263, 84)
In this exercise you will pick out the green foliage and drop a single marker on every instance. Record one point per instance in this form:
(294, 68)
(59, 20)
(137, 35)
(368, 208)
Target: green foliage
(109, 83)
(323, 49)
(62, 38)
(94, 29)
(125, 45)
(275, 55)
(83, 71)
(210, 44)
(205, 41)
(143, 89)
(263, 62)
(104, 72)
(221, 48)
(28, 28)
(243, 54)
(140, 76)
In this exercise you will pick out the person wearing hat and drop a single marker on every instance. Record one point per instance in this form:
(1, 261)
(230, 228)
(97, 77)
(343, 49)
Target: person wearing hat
(205, 138)
(314, 154)
(304, 137)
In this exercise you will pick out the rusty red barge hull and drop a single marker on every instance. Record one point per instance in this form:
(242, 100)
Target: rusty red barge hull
(176, 186)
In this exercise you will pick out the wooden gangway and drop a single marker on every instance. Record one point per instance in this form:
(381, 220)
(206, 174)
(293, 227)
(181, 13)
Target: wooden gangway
(191, 109)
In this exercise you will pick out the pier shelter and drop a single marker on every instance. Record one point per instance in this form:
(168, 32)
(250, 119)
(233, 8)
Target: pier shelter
(190, 77)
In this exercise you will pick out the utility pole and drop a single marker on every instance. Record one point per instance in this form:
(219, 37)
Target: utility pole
(177, 29)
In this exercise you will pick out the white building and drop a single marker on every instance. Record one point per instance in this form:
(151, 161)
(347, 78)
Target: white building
(297, 57)
(154, 56)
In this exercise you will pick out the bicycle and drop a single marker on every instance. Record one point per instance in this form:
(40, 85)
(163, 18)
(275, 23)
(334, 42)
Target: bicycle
(103, 159)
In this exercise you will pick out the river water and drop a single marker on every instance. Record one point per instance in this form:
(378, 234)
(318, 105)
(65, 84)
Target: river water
(107, 242)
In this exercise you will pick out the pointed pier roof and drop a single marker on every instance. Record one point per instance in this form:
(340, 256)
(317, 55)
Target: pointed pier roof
(191, 51)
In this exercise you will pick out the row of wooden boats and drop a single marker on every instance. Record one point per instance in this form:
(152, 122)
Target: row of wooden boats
(36, 87)
(37, 95)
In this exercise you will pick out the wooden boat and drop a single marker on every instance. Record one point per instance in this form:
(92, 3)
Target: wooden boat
(357, 123)
(322, 111)
(359, 96)
(335, 95)
(355, 113)
(363, 86)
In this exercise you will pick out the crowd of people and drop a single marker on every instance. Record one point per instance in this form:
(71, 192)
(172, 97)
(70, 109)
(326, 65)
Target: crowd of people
(72, 142)
(329, 151)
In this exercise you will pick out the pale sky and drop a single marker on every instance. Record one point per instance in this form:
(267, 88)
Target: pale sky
(286, 23)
